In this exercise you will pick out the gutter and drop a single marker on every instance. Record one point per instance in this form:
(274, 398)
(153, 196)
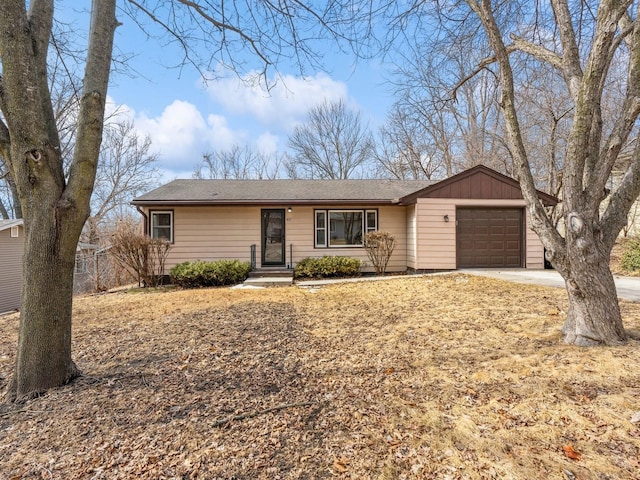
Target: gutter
(145, 228)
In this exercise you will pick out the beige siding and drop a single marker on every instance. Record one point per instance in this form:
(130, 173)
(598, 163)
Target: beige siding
(11, 250)
(300, 233)
(227, 232)
(213, 233)
(436, 239)
(535, 249)
(412, 254)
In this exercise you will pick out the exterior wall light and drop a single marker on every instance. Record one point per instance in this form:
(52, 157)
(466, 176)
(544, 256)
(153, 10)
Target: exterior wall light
(446, 218)
(289, 209)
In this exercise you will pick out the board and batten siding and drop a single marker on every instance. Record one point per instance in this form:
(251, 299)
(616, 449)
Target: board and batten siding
(227, 232)
(11, 251)
(436, 239)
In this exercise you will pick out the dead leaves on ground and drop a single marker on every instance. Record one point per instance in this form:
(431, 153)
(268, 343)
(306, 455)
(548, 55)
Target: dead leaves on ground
(446, 377)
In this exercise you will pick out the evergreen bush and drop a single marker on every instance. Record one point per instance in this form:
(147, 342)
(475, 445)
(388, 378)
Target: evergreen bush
(200, 274)
(630, 258)
(327, 267)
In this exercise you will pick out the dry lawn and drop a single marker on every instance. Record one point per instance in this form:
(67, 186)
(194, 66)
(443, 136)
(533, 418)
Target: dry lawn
(442, 377)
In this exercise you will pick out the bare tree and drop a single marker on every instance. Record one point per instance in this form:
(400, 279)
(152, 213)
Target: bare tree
(55, 205)
(333, 143)
(461, 128)
(125, 169)
(588, 44)
(407, 148)
(239, 163)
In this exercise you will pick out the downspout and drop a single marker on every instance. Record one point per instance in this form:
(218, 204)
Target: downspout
(145, 227)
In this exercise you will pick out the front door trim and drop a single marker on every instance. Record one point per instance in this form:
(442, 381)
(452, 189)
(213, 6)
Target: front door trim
(273, 237)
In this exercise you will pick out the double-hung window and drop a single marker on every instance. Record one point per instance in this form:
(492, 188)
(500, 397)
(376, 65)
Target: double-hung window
(343, 228)
(162, 225)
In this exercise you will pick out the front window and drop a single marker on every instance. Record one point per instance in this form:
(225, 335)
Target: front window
(162, 225)
(346, 228)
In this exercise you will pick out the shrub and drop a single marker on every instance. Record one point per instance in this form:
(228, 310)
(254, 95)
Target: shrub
(379, 247)
(630, 258)
(141, 255)
(200, 274)
(327, 267)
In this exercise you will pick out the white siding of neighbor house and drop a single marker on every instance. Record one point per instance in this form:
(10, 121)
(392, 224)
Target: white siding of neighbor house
(436, 239)
(11, 250)
(227, 232)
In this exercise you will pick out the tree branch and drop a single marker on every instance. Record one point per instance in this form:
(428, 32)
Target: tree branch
(570, 53)
(536, 51)
(615, 215)
(92, 107)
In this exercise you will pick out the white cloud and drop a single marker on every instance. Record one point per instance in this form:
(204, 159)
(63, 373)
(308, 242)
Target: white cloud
(268, 143)
(282, 107)
(180, 135)
(244, 115)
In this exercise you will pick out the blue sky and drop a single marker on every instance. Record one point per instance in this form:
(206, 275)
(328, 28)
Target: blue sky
(186, 118)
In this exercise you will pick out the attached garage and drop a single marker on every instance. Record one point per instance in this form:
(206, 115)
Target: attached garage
(489, 238)
(475, 219)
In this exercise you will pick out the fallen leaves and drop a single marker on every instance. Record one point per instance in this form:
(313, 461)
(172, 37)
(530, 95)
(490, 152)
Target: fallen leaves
(571, 453)
(340, 464)
(414, 378)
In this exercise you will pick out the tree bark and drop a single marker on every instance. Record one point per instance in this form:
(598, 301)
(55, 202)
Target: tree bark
(582, 255)
(54, 210)
(594, 314)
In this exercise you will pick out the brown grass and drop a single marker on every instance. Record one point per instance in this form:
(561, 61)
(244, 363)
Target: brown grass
(443, 377)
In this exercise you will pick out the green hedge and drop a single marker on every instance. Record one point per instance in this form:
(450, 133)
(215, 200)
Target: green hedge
(210, 274)
(327, 267)
(630, 258)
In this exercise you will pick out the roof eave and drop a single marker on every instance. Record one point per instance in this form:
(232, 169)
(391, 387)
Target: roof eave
(148, 203)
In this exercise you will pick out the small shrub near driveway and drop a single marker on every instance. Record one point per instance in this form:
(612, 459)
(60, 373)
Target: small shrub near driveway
(630, 258)
(200, 274)
(327, 267)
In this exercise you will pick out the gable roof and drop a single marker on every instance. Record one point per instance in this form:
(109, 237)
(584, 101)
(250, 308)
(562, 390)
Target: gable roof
(7, 224)
(479, 182)
(221, 192)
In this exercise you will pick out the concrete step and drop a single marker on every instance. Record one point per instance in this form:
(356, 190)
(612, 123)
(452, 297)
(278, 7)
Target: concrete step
(271, 272)
(280, 281)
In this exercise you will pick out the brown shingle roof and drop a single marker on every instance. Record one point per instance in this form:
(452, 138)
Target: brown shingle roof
(194, 192)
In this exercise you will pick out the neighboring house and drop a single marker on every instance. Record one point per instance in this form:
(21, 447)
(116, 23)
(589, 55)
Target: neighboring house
(471, 220)
(11, 250)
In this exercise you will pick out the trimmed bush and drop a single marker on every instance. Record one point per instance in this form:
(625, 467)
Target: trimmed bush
(379, 247)
(327, 267)
(630, 258)
(200, 274)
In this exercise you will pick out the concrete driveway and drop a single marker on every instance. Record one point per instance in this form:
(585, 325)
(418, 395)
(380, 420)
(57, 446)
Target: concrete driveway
(628, 287)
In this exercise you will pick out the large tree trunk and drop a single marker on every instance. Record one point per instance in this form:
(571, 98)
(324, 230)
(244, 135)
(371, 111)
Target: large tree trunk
(44, 340)
(54, 208)
(594, 315)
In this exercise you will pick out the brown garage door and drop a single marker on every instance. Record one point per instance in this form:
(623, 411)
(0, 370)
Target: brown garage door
(489, 237)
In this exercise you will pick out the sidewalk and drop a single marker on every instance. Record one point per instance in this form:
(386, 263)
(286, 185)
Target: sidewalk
(628, 287)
